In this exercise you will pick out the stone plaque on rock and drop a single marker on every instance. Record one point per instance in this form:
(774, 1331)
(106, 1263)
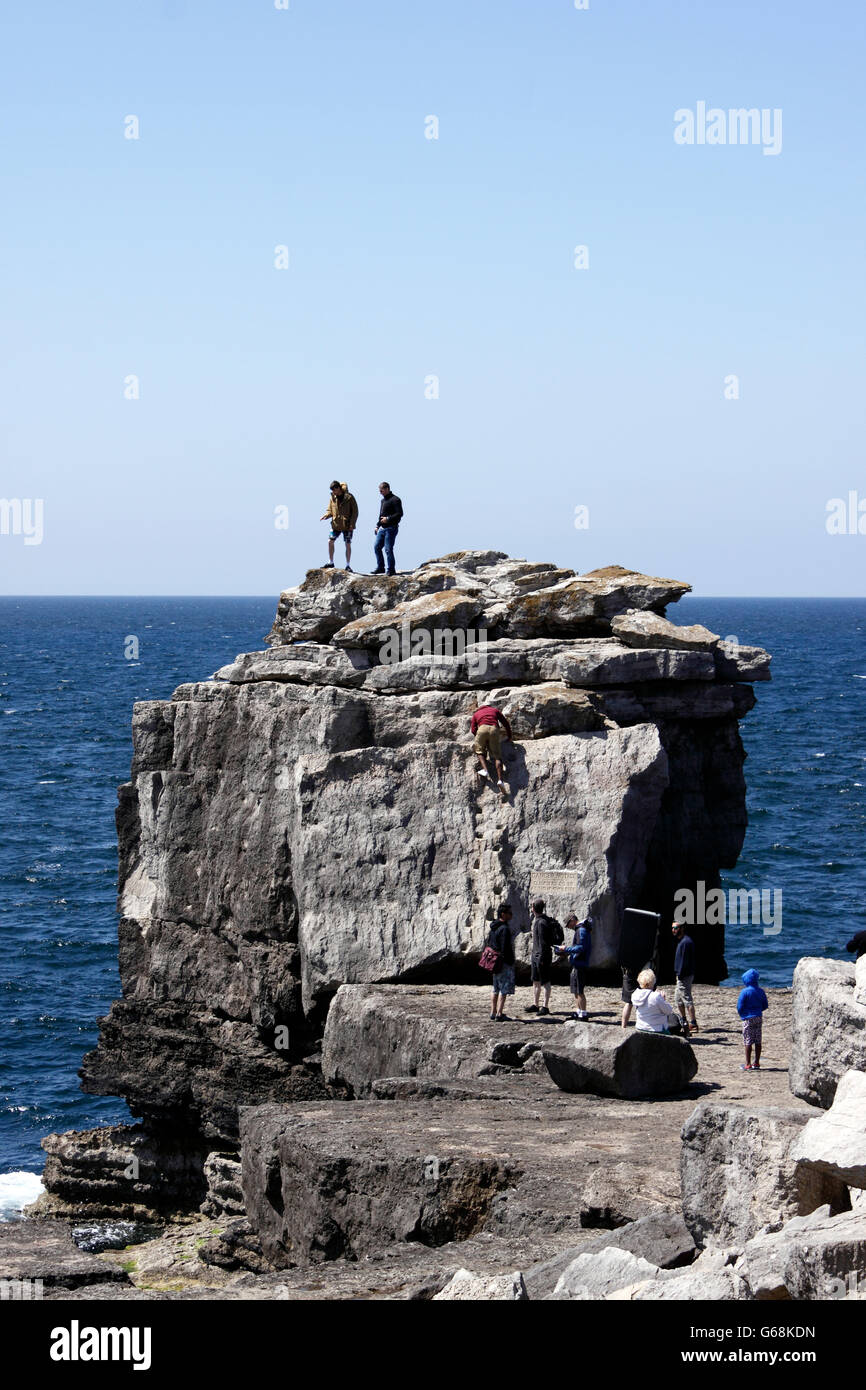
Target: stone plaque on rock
(555, 883)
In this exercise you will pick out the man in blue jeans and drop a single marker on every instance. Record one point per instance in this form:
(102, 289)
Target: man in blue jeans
(390, 516)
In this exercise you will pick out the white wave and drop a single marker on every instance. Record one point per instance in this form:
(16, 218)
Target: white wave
(17, 1190)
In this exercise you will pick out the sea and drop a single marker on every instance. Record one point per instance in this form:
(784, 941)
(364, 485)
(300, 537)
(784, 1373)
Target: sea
(70, 671)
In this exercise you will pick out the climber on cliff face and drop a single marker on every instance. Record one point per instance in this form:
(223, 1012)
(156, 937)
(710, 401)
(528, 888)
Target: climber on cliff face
(343, 515)
(486, 724)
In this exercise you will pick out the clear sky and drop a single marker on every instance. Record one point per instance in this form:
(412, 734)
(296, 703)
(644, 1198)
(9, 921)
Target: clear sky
(411, 258)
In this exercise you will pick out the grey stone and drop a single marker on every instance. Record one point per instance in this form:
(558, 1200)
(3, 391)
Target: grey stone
(222, 1173)
(465, 1285)
(32, 1251)
(860, 982)
(829, 1031)
(662, 1239)
(738, 1173)
(810, 1257)
(598, 1275)
(638, 629)
(609, 1061)
(835, 1142)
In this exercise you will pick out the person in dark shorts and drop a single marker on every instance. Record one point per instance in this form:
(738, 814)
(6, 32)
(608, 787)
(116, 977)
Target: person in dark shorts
(541, 960)
(343, 515)
(629, 985)
(578, 954)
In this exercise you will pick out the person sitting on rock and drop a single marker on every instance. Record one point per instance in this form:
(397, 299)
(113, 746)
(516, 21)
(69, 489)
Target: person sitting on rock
(343, 515)
(684, 969)
(390, 516)
(544, 934)
(751, 1006)
(654, 1013)
(501, 939)
(486, 723)
(578, 954)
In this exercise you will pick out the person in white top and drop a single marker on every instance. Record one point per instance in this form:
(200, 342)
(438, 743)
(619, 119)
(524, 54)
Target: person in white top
(654, 1013)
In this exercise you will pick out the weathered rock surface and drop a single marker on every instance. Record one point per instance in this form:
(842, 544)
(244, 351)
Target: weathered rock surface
(738, 1172)
(465, 1286)
(662, 1240)
(427, 1031)
(222, 1173)
(613, 1062)
(124, 1171)
(597, 1276)
(32, 1251)
(811, 1257)
(835, 1143)
(829, 1033)
(311, 818)
(649, 630)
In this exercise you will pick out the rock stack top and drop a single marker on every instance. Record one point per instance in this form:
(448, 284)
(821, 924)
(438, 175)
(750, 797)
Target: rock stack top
(505, 597)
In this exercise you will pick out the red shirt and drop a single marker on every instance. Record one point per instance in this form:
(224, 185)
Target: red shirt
(489, 714)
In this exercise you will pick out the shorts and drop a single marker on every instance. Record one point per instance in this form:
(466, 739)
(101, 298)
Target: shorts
(683, 991)
(541, 970)
(578, 979)
(488, 739)
(629, 985)
(503, 980)
(753, 1031)
(347, 535)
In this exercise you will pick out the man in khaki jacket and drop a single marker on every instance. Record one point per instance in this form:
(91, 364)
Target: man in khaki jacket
(343, 515)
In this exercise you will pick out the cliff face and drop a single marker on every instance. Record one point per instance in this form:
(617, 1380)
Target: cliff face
(311, 816)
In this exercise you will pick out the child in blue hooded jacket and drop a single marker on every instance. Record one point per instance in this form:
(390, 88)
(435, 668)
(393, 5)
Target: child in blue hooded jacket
(751, 1006)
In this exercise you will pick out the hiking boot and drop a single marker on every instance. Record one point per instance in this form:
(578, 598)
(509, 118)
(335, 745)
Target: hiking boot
(530, 1009)
(328, 566)
(543, 1010)
(583, 1016)
(377, 571)
(493, 1018)
(503, 1018)
(349, 570)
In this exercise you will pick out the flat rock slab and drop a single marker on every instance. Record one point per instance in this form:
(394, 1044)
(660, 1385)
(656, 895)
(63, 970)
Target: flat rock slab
(338, 1180)
(620, 1062)
(431, 1031)
(835, 1143)
(44, 1250)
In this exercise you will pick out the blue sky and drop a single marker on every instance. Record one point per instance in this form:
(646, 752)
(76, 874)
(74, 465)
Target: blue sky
(411, 257)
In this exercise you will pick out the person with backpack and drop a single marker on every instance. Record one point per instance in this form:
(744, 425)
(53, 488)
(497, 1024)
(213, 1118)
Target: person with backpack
(578, 954)
(546, 934)
(343, 515)
(390, 516)
(498, 955)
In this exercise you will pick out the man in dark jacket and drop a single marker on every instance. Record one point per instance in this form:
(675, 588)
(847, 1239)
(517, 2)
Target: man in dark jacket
(544, 938)
(684, 969)
(390, 516)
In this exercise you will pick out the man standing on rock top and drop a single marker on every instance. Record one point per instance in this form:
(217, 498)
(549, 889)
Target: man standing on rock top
(343, 515)
(390, 516)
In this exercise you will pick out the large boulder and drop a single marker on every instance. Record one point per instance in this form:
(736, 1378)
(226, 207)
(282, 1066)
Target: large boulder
(810, 1257)
(829, 1030)
(611, 1062)
(598, 1275)
(835, 1143)
(637, 629)
(738, 1172)
(661, 1239)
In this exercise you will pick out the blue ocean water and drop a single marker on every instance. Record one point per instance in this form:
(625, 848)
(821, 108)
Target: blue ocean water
(66, 693)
